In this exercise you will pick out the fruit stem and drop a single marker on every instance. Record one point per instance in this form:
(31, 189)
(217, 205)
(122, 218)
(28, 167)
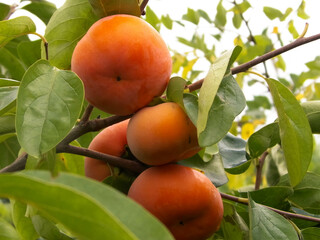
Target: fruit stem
(143, 6)
(283, 213)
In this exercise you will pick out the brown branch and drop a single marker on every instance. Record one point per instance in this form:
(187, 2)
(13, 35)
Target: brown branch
(244, 67)
(143, 6)
(131, 165)
(17, 165)
(259, 167)
(283, 213)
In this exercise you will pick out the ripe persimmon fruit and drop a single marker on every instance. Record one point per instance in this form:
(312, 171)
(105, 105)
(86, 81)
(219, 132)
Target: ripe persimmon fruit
(123, 62)
(111, 140)
(162, 134)
(182, 198)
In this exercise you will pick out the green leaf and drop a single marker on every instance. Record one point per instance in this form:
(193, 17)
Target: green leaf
(204, 15)
(16, 27)
(167, 21)
(120, 180)
(312, 109)
(8, 97)
(295, 131)
(312, 233)
(7, 231)
(175, 90)
(7, 124)
(22, 222)
(292, 29)
(228, 103)
(42, 10)
(233, 154)
(275, 196)
(213, 168)
(29, 51)
(266, 224)
(4, 10)
(5, 82)
(47, 229)
(237, 20)
(191, 16)
(9, 149)
(301, 10)
(233, 226)
(48, 105)
(220, 19)
(259, 101)
(264, 138)
(74, 163)
(86, 208)
(190, 102)
(272, 13)
(153, 19)
(12, 65)
(112, 7)
(66, 27)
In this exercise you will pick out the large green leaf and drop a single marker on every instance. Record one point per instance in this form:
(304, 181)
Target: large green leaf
(175, 90)
(48, 105)
(312, 110)
(7, 124)
(15, 27)
(312, 233)
(8, 97)
(9, 149)
(266, 224)
(4, 10)
(87, 208)
(206, 122)
(29, 51)
(112, 7)
(229, 102)
(66, 27)
(295, 131)
(43, 9)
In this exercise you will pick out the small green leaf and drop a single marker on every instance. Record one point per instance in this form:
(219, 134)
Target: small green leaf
(167, 21)
(301, 10)
(121, 180)
(264, 138)
(213, 168)
(292, 29)
(16, 27)
(8, 97)
(4, 10)
(74, 163)
(266, 224)
(237, 20)
(312, 233)
(233, 226)
(48, 105)
(204, 15)
(87, 209)
(191, 16)
(29, 51)
(22, 222)
(42, 10)
(112, 7)
(272, 13)
(66, 27)
(153, 19)
(295, 131)
(220, 19)
(233, 154)
(9, 149)
(175, 90)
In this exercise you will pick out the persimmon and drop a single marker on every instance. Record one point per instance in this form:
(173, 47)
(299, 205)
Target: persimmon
(123, 62)
(182, 198)
(111, 140)
(162, 134)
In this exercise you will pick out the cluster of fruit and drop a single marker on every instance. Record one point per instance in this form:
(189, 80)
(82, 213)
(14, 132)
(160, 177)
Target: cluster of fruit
(124, 63)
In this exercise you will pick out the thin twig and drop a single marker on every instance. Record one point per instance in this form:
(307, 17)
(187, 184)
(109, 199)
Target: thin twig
(283, 213)
(131, 165)
(143, 6)
(86, 114)
(244, 67)
(259, 167)
(17, 165)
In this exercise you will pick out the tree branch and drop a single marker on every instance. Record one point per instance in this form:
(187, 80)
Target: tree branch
(17, 165)
(259, 167)
(131, 165)
(244, 67)
(283, 213)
